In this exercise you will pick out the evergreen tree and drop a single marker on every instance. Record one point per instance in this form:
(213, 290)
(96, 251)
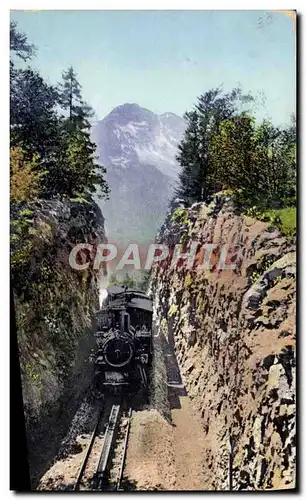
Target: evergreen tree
(19, 44)
(71, 101)
(32, 101)
(33, 118)
(61, 145)
(81, 175)
(34, 123)
(197, 181)
(191, 177)
(256, 163)
(232, 153)
(275, 160)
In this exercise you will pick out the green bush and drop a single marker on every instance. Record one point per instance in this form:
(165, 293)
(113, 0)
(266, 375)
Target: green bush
(283, 218)
(286, 220)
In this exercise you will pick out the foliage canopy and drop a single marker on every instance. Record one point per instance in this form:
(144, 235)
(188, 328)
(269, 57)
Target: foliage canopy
(224, 149)
(52, 124)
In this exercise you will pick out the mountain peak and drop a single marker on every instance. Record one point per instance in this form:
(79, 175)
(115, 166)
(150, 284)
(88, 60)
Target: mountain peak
(127, 112)
(138, 148)
(131, 135)
(127, 106)
(131, 109)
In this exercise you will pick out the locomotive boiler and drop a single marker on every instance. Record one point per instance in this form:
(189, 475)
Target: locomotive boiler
(124, 342)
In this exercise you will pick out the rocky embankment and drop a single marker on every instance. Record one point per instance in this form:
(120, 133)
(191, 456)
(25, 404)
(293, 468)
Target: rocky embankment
(233, 332)
(54, 306)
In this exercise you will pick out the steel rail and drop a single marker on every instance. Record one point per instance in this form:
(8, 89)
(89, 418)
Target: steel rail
(107, 445)
(119, 479)
(89, 447)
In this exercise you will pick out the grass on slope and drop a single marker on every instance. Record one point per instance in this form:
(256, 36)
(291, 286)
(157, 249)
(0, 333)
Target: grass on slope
(287, 217)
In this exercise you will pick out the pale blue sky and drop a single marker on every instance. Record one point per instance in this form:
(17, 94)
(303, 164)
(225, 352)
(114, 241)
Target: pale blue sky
(163, 60)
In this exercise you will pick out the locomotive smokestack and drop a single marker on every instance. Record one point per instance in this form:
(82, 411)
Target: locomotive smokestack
(127, 322)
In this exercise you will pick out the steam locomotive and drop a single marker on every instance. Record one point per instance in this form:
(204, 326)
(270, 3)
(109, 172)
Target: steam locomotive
(124, 342)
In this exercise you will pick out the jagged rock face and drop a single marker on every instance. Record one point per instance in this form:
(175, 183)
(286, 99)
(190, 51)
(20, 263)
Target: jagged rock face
(234, 337)
(54, 302)
(138, 148)
(55, 306)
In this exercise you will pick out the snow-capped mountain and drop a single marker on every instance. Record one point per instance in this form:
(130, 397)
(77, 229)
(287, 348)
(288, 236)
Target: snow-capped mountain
(138, 148)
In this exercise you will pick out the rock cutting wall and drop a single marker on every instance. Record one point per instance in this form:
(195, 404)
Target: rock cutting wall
(55, 307)
(234, 337)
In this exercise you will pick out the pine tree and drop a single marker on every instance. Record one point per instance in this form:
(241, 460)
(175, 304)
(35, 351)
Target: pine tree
(34, 123)
(32, 101)
(70, 98)
(19, 44)
(256, 163)
(61, 145)
(232, 153)
(196, 180)
(275, 159)
(33, 118)
(81, 176)
(190, 177)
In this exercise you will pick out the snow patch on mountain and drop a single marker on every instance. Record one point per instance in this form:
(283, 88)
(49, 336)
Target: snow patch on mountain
(155, 145)
(120, 161)
(138, 149)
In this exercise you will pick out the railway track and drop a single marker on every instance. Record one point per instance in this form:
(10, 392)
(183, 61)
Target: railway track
(103, 463)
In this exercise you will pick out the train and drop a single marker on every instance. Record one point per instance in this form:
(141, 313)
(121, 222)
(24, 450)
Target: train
(123, 356)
